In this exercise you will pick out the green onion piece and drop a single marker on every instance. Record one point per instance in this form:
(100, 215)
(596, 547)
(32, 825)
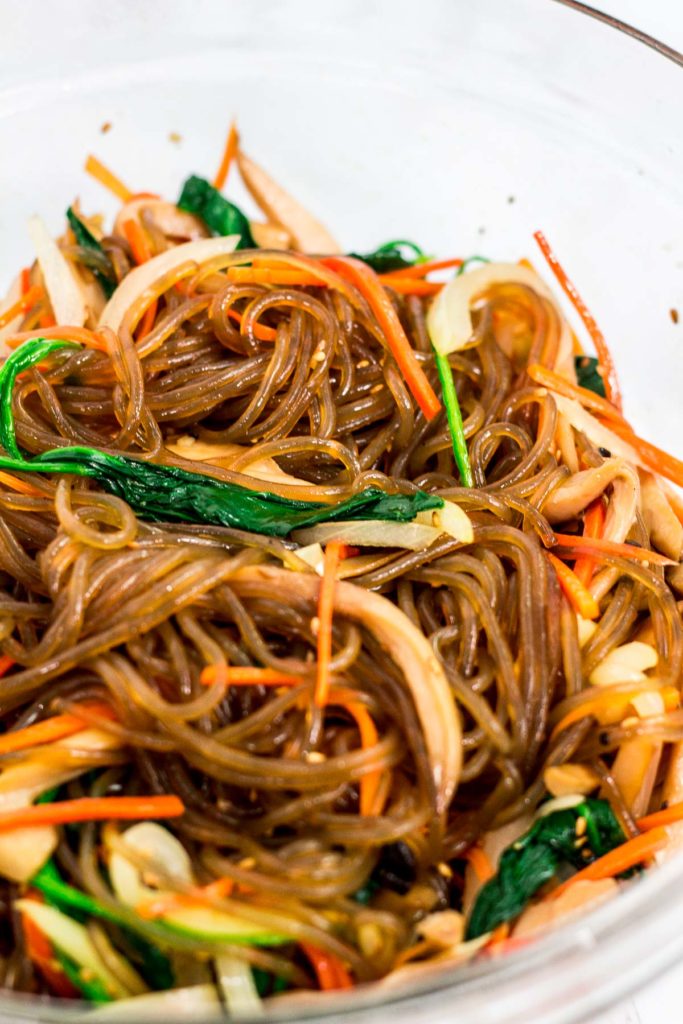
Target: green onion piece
(64, 897)
(470, 259)
(454, 416)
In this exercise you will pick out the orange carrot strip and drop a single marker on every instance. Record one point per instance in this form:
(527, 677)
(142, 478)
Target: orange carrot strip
(275, 276)
(81, 335)
(369, 738)
(422, 269)
(330, 971)
(261, 332)
(6, 664)
(581, 599)
(609, 373)
(140, 247)
(229, 154)
(107, 178)
(597, 547)
(588, 399)
(137, 240)
(247, 675)
(19, 485)
(480, 862)
(25, 280)
(325, 613)
(49, 730)
(22, 305)
(618, 701)
(667, 816)
(46, 320)
(367, 282)
(593, 525)
(499, 935)
(105, 808)
(621, 858)
(410, 285)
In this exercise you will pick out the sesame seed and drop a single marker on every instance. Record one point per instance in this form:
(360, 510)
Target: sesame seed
(581, 825)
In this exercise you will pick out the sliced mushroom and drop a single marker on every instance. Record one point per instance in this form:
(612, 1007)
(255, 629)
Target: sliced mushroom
(666, 533)
(576, 493)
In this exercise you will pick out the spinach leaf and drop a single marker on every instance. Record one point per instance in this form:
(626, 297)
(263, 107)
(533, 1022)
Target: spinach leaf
(535, 858)
(392, 256)
(588, 376)
(85, 238)
(170, 494)
(221, 216)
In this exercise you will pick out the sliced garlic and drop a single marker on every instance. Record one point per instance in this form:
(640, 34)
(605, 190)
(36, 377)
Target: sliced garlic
(625, 664)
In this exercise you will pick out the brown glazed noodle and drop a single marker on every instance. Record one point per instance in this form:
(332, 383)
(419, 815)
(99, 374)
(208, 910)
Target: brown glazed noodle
(100, 609)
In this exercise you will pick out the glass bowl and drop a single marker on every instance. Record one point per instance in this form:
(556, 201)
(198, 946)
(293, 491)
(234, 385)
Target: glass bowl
(465, 126)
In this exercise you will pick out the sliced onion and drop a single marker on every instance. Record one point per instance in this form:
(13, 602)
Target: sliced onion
(237, 985)
(141, 278)
(158, 846)
(65, 293)
(450, 519)
(372, 533)
(314, 556)
(450, 319)
(405, 644)
(73, 940)
(600, 436)
(625, 664)
(307, 233)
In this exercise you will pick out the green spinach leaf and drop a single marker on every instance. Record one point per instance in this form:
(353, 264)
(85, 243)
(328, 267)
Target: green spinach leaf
(221, 216)
(588, 376)
(392, 256)
(535, 858)
(106, 278)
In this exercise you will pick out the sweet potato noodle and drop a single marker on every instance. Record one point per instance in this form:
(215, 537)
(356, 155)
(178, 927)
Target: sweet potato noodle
(314, 838)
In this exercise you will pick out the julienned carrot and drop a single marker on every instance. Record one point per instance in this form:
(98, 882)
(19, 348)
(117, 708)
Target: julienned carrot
(325, 613)
(498, 935)
(480, 863)
(605, 360)
(25, 279)
(87, 808)
(229, 154)
(81, 335)
(330, 971)
(275, 276)
(617, 702)
(6, 664)
(666, 465)
(370, 286)
(46, 320)
(410, 285)
(247, 675)
(142, 252)
(593, 525)
(667, 816)
(107, 178)
(137, 240)
(620, 859)
(261, 332)
(581, 599)
(22, 305)
(49, 730)
(369, 737)
(422, 269)
(597, 547)
(587, 398)
(21, 486)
